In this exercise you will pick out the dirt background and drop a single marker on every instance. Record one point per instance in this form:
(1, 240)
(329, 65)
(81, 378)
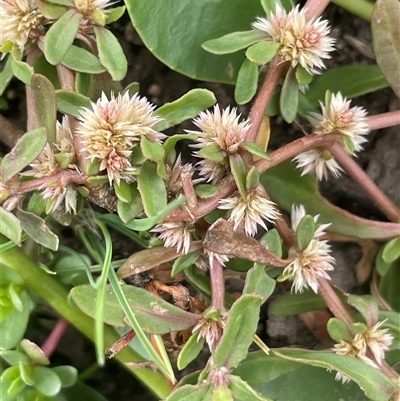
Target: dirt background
(160, 84)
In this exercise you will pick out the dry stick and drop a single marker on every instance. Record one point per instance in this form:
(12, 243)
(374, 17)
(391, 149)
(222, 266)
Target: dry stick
(384, 120)
(359, 176)
(276, 69)
(9, 133)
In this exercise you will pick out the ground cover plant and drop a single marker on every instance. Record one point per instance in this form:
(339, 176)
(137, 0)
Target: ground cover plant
(194, 204)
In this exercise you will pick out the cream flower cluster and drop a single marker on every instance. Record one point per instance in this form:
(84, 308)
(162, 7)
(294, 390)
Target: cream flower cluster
(304, 42)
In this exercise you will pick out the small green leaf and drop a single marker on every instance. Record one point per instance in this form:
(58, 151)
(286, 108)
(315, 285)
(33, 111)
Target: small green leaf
(10, 226)
(82, 392)
(391, 250)
(185, 261)
(110, 53)
(14, 358)
(255, 150)
(152, 189)
(37, 229)
(272, 241)
(52, 11)
(258, 282)
(243, 392)
(60, 36)
(348, 144)
(71, 103)
(239, 171)
(6, 75)
(13, 292)
(303, 76)
(232, 42)
(388, 285)
(305, 232)
(67, 374)
(239, 331)
(366, 305)
(169, 146)
(154, 315)
(221, 393)
(114, 14)
(21, 70)
(252, 179)
(132, 88)
(154, 151)
(34, 352)
(46, 381)
(211, 152)
(338, 330)
(246, 82)
(262, 52)
(205, 190)
(190, 350)
(81, 60)
(124, 191)
(289, 99)
(188, 392)
(385, 34)
(187, 106)
(128, 211)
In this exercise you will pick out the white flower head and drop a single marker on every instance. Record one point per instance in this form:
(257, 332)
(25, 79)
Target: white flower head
(211, 330)
(302, 42)
(249, 211)
(175, 234)
(222, 128)
(20, 22)
(311, 263)
(318, 162)
(211, 171)
(341, 119)
(59, 194)
(112, 128)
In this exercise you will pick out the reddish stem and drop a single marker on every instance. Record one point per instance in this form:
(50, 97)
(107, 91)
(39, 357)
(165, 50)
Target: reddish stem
(359, 176)
(384, 120)
(55, 337)
(217, 285)
(314, 8)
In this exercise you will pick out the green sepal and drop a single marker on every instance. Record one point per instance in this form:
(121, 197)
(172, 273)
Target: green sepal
(93, 168)
(348, 144)
(63, 160)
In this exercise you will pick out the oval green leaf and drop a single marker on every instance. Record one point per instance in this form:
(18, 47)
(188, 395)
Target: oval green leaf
(190, 350)
(262, 52)
(46, 381)
(71, 103)
(81, 60)
(246, 83)
(289, 100)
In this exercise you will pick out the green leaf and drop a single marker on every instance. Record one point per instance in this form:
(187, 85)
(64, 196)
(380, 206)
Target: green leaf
(46, 381)
(9, 276)
(211, 152)
(338, 330)
(60, 36)
(13, 292)
(388, 285)
(34, 352)
(391, 251)
(262, 52)
(258, 282)
(246, 82)
(303, 76)
(373, 382)
(14, 358)
(37, 229)
(294, 303)
(190, 350)
(21, 70)
(154, 315)
(272, 241)
(149, 258)
(233, 42)
(81, 60)
(67, 374)
(242, 391)
(10, 226)
(205, 190)
(52, 11)
(286, 186)
(305, 232)
(169, 145)
(239, 172)
(255, 150)
(128, 211)
(350, 81)
(110, 53)
(154, 151)
(25, 372)
(385, 33)
(192, 31)
(187, 106)
(188, 392)
(13, 328)
(71, 103)
(152, 189)
(114, 14)
(289, 99)
(366, 305)
(6, 75)
(185, 261)
(125, 191)
(239, 331)
(81, 392)
(24, 152)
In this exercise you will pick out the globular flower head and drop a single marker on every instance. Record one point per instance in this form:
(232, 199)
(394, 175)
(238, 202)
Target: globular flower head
(221, 128)
(93, 11)
(211, 171)
(20, 22)
(374, 338)
(310, 263)
(211, 330)
(301, 42)
(113, 127)
(340, 119)
(58, 194)
(176, 235)
(249, 211)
